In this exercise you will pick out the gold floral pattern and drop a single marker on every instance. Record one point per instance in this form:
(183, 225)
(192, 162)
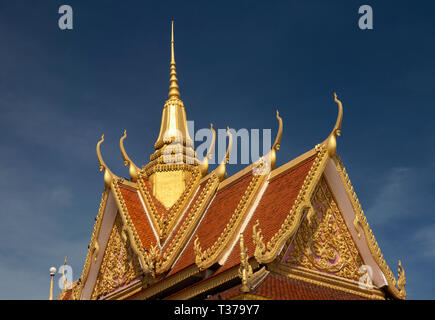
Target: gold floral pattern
(324, 243)
(119, 265)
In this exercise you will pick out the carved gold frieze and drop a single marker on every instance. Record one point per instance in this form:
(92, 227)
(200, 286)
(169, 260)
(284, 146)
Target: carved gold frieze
(396, 287)
(119, 265)
(324, 243)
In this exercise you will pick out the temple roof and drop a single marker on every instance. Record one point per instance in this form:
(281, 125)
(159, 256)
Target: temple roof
(292, 232)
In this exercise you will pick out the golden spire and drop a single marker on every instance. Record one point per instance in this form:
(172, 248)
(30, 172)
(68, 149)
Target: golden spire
(173, 88)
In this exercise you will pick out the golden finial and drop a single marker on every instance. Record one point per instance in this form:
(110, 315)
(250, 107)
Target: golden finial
(204, 164)
(133, 169)
(401, 279)
(245, 270)
(65, 282)
(332, 141)
(52, 274)
(108, 175)
(173, 88)
(277, 142)
(221, 171)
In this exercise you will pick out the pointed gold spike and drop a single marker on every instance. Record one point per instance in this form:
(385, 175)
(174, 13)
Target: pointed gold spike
(277, 143)
(332, 141)
(203, 167)
(108, 175)
(133, 169)
(173, 88)
(221, 171)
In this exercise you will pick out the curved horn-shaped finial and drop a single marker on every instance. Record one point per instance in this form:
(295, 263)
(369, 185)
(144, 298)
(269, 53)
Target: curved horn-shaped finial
(332, 141)
(133, 169)
(108, 175)
(203, 167)
(337, 127)
(277, 142)
(221, 169)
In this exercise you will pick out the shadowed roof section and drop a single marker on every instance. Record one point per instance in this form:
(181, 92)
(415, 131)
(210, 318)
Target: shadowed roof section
(138, 215)
(278, 287)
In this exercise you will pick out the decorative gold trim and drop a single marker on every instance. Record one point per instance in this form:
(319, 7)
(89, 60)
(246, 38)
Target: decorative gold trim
(94, 238)
(329, 281)
(124, 293)
(245, 269)
(205, 258)
(133, 170)
(266, 253)
(210, 283)
(291, 164)
(118, 266)
(164, 224)
(324, 243)
(135, 241)
(155, 288)
(187, 227)
(399, 291)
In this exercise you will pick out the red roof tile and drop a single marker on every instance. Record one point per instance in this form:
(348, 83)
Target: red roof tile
(215, 219)
(278, 287)
(273, 208)
(138, 215)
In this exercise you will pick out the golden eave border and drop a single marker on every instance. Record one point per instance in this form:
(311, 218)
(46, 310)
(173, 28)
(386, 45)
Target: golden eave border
(396, 287)
(329, 281)
(266, 253)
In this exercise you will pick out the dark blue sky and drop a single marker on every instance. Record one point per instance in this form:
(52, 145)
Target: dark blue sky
(237, 61)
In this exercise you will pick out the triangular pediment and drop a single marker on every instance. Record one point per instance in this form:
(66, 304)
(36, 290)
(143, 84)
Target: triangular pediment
(119, 265)
(323, 241)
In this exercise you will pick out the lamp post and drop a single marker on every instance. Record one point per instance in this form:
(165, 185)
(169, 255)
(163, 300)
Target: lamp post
(52, 274)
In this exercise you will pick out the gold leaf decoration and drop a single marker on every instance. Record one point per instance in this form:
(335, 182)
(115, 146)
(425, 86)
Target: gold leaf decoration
(119, 265)
(325, 243)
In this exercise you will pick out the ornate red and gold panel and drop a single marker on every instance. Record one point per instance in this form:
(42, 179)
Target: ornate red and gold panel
(323, 242)
(119, 266)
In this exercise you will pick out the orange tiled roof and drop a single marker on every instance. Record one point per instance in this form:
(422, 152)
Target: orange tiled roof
(277, 287)
(138, 215)
(273, 208)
